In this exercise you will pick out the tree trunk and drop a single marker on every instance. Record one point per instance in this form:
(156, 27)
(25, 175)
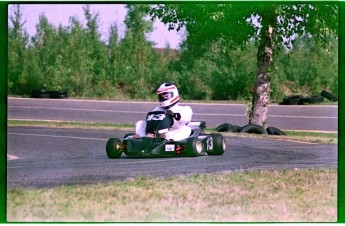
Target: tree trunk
(261, 92)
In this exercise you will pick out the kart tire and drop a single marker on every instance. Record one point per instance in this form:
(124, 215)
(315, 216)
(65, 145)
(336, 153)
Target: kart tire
(292, 100)
(193, 147)
(305, 100)
(275, 131)
(219, 144)
(329, 95)
(114, 148)
(252, 128)
(225, 127)
(40, 94)
(311, 99)
(58, 94)
(236, 128)
(316, 99)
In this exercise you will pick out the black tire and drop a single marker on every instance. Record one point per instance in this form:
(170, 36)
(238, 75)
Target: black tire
(305, 100)
(40, 93)
(275, 131)
(219, 144)
(316, 99)
(292, 100)
(236, 128)
(193, 147)
(114, 148)
(58, 94)
(328, 95)
(251, 128)
(225, 127)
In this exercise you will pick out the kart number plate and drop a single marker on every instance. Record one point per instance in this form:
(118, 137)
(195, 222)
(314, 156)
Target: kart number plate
(170, 147)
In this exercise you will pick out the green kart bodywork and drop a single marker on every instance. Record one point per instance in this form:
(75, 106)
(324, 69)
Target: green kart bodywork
(199, 144)
(195, 145)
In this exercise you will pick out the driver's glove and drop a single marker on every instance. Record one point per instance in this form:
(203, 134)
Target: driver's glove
(173, 115)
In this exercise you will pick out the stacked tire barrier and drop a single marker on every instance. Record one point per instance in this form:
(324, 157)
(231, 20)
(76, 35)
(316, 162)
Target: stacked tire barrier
(314, 99)
(49, 94)
(40, 94)
(328, 95)
(250, 128)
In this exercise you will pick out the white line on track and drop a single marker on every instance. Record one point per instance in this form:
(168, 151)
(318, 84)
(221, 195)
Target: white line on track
(146, 161)
(100, 139)
(82, 109)
(47, 120)
(41, 120)
(115, 111)
(121, 102)
(12, 157)
(152, 102)
(144, 112)
(43, 135)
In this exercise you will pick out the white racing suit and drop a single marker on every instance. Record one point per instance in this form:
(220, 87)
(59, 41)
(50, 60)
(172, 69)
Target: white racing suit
(178, 131)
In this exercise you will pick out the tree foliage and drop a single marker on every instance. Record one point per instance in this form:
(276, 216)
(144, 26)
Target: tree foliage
(17, 42)
(74, 58)
(236, 24)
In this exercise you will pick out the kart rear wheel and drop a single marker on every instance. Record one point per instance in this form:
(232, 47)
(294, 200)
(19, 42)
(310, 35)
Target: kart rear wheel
(194, 147)
(114, 148)
(219, 144)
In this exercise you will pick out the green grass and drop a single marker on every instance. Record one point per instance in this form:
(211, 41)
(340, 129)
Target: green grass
(309, 137)
(296, 195)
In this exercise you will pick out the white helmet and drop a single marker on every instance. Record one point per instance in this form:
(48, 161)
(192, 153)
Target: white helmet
(167, 95)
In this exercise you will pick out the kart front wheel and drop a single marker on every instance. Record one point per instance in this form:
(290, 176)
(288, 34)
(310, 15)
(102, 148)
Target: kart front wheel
(219, 144)
(194, 147)
(114, 148)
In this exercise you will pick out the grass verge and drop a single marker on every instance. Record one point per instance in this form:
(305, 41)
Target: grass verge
(309, 137)
(308, 195)
(312, 137)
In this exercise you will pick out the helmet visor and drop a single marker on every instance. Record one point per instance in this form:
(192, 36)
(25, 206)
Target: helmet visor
(165, 96)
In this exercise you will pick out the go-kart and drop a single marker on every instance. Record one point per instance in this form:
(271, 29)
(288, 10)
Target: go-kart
(158, 123)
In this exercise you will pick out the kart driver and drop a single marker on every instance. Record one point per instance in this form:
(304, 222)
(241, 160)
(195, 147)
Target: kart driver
(168, 97)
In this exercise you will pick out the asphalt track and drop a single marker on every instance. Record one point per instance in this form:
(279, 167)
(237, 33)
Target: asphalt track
(48, 157)
(294, 117)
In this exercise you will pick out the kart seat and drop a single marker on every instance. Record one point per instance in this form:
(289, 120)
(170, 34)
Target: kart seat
(197, 126)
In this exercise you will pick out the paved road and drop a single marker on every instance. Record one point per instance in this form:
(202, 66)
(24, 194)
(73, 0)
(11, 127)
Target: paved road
(46, 157)
(316, 118)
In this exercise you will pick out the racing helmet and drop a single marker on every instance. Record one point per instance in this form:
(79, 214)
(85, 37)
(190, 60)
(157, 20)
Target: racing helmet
(167, 95)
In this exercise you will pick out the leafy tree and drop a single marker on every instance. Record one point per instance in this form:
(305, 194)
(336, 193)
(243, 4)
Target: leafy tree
(223, 73)
(136, 52)
(17, 42)
(306, 69)
(76, 58)
(47, 49)
(30, 77)
(97, 50)
(235, 24)
(114, 53)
